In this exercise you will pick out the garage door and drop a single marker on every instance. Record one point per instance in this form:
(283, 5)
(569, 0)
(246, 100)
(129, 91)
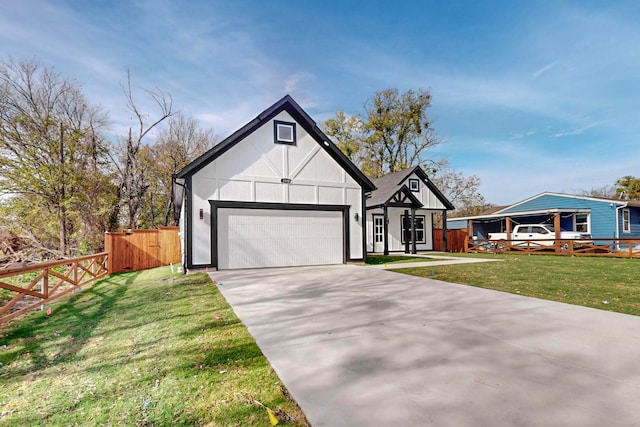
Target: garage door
(250, 238)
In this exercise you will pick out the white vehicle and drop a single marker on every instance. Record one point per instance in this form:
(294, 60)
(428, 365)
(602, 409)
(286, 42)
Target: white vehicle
(538, 235)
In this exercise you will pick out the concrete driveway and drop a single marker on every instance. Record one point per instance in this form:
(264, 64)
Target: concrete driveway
(358, 346)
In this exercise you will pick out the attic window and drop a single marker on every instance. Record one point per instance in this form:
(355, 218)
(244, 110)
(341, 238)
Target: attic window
(414, 185)
(284, 132)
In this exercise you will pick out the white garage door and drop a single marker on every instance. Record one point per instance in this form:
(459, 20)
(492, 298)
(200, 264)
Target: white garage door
(249, 238)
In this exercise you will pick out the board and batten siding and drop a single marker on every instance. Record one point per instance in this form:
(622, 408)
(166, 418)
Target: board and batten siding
(251, 171)
(395, 229)
(425, 195)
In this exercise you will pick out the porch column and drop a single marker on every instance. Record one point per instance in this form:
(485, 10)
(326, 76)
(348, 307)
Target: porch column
(413, 230)
(556, 226)
(508, 228)
(445, 232)
(406, 234)
(385, 228)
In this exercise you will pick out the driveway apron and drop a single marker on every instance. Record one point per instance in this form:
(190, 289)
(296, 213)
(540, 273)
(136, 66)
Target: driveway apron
(358, 346)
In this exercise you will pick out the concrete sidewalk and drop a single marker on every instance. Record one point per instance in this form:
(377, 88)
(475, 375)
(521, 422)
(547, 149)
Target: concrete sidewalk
(358, 346)
(440, 260)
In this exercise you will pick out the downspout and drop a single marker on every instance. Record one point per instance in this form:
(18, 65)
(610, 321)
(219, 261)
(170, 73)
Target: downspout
(180, 211)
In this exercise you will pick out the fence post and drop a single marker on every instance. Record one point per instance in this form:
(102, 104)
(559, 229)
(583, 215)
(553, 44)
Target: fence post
(45, 283)
(108, 248)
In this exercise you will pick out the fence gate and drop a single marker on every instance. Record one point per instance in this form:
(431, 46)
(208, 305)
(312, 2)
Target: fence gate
(455, 240)
(141, 249)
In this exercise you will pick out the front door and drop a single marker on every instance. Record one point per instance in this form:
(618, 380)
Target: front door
(378, 233)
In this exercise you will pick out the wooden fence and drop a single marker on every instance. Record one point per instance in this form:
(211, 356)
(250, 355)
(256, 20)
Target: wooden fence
(24, 289)
(141, 249)
(628, 248)
(455, 240)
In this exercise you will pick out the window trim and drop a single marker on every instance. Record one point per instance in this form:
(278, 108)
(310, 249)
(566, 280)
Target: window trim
(626, 224)
(415, 181)
(587, 222)
(276, 134)
(424, 231)
(375, 231)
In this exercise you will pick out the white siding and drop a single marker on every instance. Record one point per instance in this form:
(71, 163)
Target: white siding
(395, 229)
(425, 195)
(252, 170)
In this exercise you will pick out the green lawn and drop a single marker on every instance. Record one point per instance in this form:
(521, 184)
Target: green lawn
(605, 283)
(147, 348)
(393, 259)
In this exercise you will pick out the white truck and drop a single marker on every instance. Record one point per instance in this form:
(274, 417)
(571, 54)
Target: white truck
(538, 235)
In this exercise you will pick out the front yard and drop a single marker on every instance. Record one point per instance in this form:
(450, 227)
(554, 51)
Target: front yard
(143, 348)
(605, 283)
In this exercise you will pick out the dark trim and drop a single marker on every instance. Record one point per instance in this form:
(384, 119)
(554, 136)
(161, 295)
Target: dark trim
(385, 225)
(363, 225)
(188, 223)
(413, 230)
(276, 206)
(222, 204)
(416, 182)
(395, 201)
(430, 185)
(424, 232)
(275, 132)
(445, 233)
(302, 118)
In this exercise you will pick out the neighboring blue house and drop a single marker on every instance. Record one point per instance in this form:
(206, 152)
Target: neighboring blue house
(602, 218)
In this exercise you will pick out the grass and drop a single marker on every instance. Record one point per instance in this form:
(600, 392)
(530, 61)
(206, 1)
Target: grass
(393, 259)
(147, 348)
(606, 283)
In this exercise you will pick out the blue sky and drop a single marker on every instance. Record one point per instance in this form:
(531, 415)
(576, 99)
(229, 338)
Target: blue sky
(530, 96)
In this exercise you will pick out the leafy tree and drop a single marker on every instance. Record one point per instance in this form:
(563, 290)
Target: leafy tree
(628, 188)
(393, 134)
(177, 144)
(348, 133)
(51, 153)
(398, 131)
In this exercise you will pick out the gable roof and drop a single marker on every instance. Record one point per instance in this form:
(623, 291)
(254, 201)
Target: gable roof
(391, 184)
(301, 117)
(381, 198)
(502, 211)
(570, 196)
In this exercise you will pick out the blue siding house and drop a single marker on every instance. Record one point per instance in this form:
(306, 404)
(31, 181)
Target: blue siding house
(602, 218)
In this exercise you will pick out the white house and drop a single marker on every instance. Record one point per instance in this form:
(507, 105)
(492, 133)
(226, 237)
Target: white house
(278, 192)
(398, 198)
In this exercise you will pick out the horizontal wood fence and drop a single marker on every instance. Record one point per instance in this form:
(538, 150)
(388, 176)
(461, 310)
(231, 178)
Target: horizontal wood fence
(25, 289)
(628, 248)
(455, 240)
(141, 249)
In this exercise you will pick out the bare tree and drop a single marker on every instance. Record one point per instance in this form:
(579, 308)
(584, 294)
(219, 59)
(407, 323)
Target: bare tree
(177, 145)
(133, 183)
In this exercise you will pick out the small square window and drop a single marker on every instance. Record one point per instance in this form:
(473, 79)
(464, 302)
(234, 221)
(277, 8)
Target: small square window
(284, 132)
(414, 185)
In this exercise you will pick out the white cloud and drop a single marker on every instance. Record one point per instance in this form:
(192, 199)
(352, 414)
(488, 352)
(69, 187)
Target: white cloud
(577, 131)
(543, 70)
